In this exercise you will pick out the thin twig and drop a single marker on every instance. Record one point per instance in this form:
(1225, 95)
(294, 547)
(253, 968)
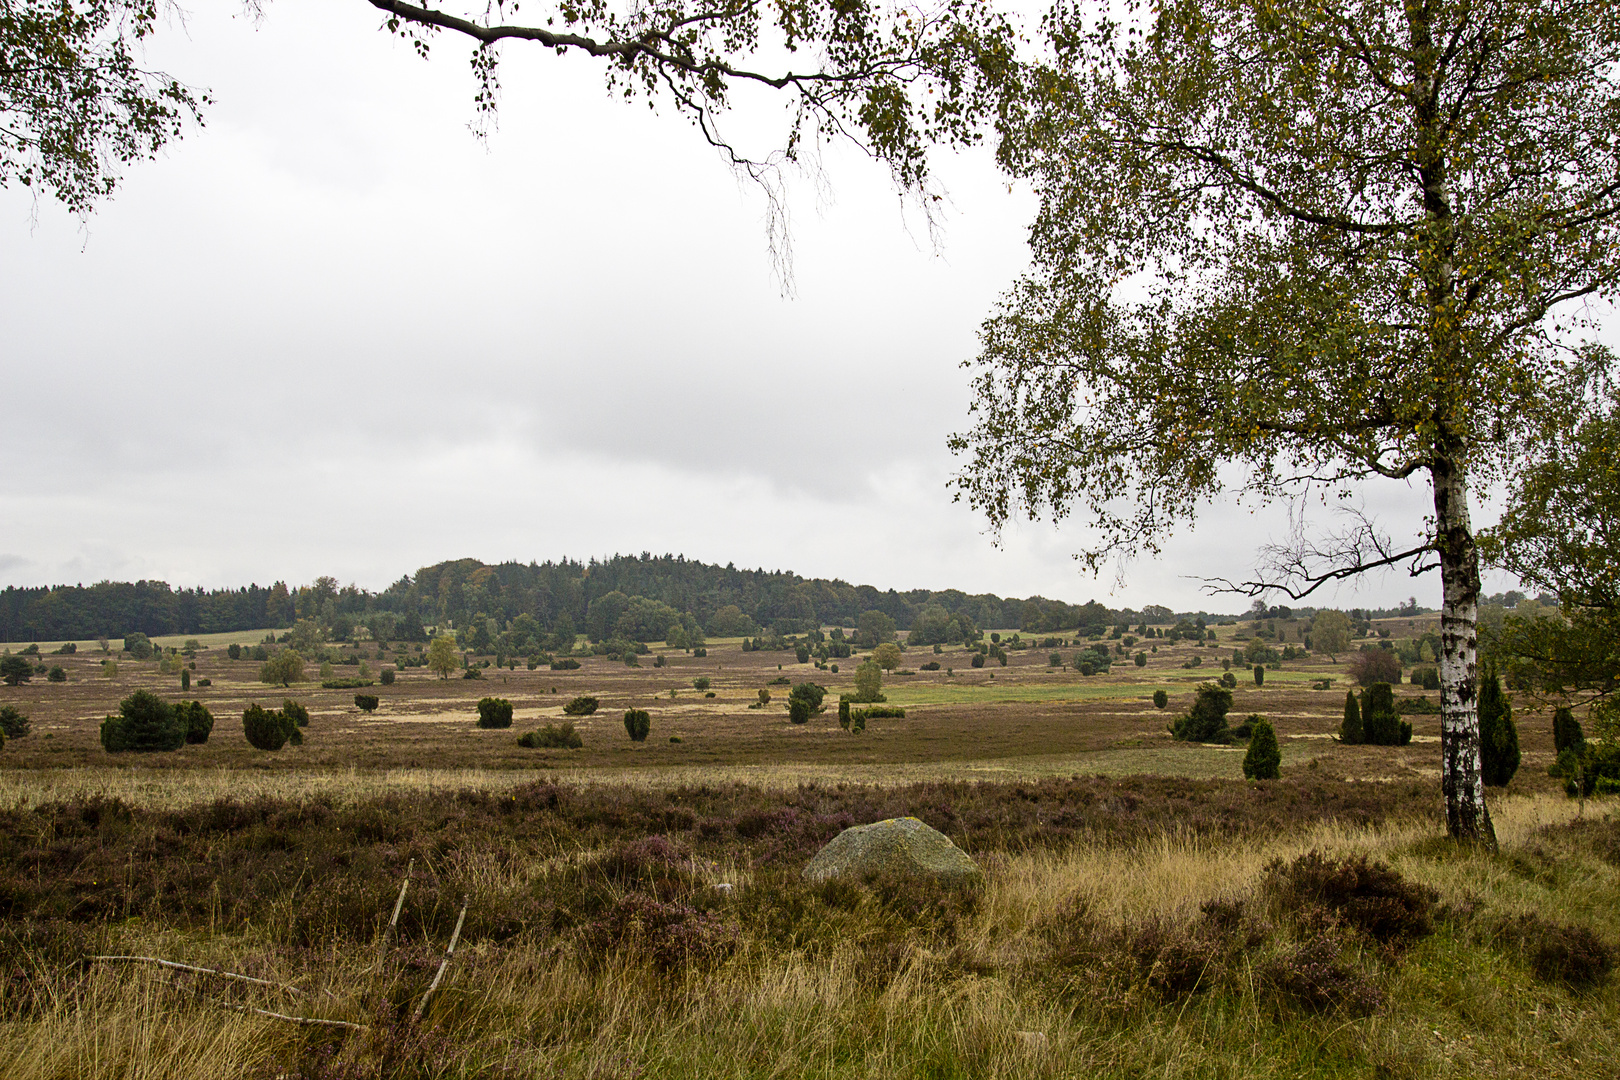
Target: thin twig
(200, 970)
(448, 952)
(307, 1020)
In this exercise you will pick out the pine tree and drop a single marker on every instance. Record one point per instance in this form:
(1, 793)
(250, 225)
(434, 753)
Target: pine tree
(1264, 759)
(1566, 731)
(1350, 730)
(1498, 735)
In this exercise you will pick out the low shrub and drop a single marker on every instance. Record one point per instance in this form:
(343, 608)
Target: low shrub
(494, 712)
(1160, 699)
(267, 729)
(1417, 706)
(883, 712)
(386, 677)
(1555, 952)
(345, 684)
(670, 936)
(367, 703)
(295, 712)
(145, 724)
(566, 663)
(932, 665)
(553, 737)
(1370, 897)
(637, 723)
(1206, 720)
(58, 673)
(198, 720)
(702, 682)
(13, 724)
(473, 673)
(583, 705)
(1312, 977)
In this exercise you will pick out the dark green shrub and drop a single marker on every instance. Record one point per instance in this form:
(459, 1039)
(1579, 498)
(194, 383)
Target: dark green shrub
(879, 712)
(234, 651)
(198, 720)
(1054, 659)
(387, 676)
(811, 694)
(1350, 728)
(1431, 679)
(978, 659)
(843, 713)
(1206, 720)
(356, 684)
(1229, 680)
(700, 651)
(1160, 699)
(58, 673)
(1415, 706)
(1498, 735)
(468, 673)
(1141, 659)
(145, 724)
(366, 703)
(494, 712)
(1264, 759)
(1380, 723)
(1259, 674)
(138, 645)
(13, 724)
(802, 654)
(637, 723)
(553, 737)
(566, 663)
(583, 705)
(1567, 731)
(268, 729)
(799, 710)
(932, 665)
(295, 712)
(702, 682)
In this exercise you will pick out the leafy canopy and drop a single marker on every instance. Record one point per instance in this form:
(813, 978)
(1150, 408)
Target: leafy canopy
(1320, 242)
(74, 102)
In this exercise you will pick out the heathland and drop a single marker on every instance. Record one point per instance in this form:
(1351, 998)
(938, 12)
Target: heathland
(636, 908)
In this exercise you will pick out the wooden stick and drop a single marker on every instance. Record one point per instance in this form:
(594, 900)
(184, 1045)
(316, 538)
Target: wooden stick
(200, 970)
(449, 952)
(400, 903)
(307, 1020)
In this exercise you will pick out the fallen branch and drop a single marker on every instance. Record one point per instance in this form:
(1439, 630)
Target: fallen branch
(199, 970)
(448, 952)
(306, 1020)
(400, 903)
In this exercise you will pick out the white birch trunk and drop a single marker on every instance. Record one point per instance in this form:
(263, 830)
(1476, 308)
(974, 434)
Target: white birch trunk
(1462, 774)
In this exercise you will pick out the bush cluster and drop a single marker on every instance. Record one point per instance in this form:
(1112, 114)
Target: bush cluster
(494, 712)
(552, 737)
(270, 729)
(1374, 719)
(1205, 722)
(584, 705)
(145, 724)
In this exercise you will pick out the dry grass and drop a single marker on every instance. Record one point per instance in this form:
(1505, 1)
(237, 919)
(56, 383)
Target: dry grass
(528, 1008)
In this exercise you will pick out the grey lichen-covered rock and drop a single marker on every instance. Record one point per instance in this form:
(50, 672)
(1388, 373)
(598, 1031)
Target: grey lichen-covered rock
(896, 846)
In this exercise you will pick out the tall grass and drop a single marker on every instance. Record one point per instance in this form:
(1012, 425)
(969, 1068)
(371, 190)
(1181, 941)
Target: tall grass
(1031, 976)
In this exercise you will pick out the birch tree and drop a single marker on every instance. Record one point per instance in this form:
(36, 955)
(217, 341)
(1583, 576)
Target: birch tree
(1286, 250)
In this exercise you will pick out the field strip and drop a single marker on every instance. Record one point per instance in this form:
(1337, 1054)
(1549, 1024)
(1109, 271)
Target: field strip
(21, 789)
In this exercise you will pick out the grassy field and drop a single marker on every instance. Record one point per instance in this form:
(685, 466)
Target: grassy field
(638, 910)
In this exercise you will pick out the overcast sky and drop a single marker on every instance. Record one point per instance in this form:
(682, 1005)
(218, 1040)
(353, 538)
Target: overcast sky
(332, 333)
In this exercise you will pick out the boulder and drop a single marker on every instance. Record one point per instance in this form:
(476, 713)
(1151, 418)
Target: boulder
(896, 846)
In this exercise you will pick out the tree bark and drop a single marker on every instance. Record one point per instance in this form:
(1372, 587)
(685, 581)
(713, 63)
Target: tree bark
(1462, 773)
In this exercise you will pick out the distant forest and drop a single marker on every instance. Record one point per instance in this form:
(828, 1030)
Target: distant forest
(594, 597)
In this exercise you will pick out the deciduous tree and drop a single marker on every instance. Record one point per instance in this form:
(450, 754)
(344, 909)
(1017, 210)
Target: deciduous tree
(1285, 249)
(443, 657)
